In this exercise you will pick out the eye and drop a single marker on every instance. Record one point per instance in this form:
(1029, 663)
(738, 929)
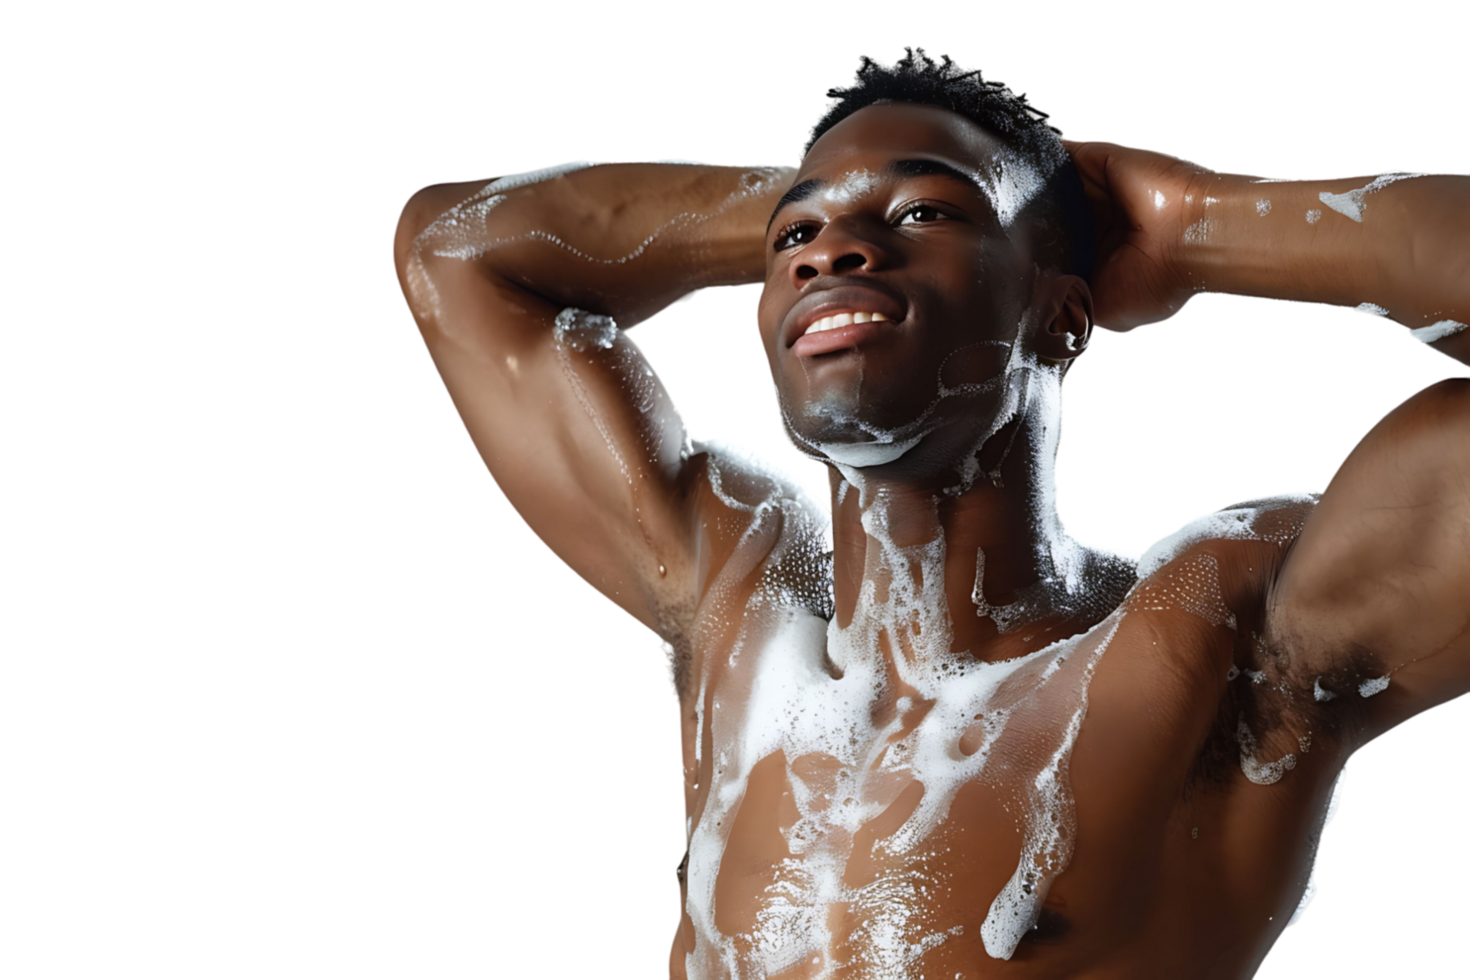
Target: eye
(801, 233)
(916, 214)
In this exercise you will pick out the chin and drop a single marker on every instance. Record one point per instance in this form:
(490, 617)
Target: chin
(844, 428)
(936, 439)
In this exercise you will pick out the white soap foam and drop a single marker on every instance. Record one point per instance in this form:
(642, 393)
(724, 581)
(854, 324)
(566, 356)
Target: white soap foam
(1200, 232)
(810, 688)
(1353, 204)
(1372, 686)
(883, 445)
(1314, 215)
(798, 684)
(581, 331)
(797, 705)
(1320, 693)
(1263, 207)
(1437, 331)
(1233, 524)
(1260, 773)
(1191, 583)
(809, 691)
(1371, 308)
(463, 232)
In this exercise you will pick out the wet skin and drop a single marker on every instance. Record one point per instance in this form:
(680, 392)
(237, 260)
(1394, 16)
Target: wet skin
(962, 290)
(1182, 865)
(929, 251)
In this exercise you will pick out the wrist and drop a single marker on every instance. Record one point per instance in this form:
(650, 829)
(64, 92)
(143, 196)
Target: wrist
(1276, 239)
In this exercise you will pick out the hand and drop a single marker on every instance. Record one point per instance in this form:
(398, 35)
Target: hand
(1138, 199)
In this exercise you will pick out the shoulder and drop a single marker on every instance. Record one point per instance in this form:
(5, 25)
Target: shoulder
(1274, 521)
(758, 528)
(1234, 553)
(734, 483)
(1202, 592)
(1198, 629)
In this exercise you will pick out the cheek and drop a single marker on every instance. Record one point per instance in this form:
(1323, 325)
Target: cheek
(974, 363)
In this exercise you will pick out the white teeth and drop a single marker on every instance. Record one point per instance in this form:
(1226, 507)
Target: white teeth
(842, 320)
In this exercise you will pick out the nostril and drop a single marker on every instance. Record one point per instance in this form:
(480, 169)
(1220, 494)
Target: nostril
(805, 272)
(849, 262)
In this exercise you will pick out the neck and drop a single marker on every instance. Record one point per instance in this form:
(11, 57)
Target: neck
(1013, 580)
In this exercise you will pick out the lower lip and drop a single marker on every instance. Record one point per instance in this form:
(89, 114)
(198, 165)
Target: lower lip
(841, 338)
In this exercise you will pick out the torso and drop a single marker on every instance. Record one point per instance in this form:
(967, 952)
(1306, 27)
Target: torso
(864, 803)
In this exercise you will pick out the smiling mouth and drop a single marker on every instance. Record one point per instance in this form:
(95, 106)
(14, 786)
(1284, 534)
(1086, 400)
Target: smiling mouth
(843, 331)
(836, 320)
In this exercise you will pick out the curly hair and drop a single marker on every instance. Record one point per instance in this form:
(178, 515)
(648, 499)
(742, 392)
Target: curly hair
(1060, 211)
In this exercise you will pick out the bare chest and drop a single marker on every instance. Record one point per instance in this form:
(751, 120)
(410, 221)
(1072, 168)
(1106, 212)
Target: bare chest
(1063, 814)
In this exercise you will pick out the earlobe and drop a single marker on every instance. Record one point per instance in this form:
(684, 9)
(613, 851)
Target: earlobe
(1075, 319)
(1072, 325)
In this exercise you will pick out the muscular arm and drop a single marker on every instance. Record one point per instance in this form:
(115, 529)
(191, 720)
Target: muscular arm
(568, 416)
(1377, 585)
(1397, 245)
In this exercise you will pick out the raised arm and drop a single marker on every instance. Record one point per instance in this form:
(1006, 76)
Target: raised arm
(521, 287)
(1397, 245)
(1371, 608)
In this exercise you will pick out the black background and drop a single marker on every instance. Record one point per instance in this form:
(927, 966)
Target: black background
(526, 725)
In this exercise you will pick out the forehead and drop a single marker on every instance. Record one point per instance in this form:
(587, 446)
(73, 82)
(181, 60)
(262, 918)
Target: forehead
(876, 134)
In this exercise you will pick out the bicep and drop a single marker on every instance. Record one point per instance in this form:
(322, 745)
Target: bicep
(1378, 582)
(572, 423)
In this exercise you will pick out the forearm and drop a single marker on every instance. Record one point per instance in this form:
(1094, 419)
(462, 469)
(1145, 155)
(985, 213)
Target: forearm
(1402, 245)
(620, 239)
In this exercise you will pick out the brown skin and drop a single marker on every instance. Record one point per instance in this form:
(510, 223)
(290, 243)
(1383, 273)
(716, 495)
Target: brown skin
(1370, 581)
(960, 282)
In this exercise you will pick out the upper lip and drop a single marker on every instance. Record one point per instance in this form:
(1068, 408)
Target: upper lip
(867, 296)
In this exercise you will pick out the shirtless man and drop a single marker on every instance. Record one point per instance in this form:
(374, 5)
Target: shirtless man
(961, 744)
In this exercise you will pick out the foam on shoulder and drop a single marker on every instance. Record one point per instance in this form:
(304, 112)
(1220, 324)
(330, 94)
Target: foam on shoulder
(1239, 523)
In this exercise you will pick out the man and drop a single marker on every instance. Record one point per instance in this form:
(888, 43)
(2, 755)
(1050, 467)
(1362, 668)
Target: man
(961, 744)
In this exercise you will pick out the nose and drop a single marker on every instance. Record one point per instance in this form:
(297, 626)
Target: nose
(840, 248)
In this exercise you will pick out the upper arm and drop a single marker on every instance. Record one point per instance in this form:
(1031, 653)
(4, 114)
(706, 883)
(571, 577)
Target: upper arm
(1378, 583)
(574, 426)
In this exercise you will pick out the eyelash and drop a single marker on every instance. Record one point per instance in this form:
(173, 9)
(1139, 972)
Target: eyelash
(798, 226)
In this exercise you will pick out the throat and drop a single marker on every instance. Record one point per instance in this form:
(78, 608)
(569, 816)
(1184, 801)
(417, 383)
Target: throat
(948, 596)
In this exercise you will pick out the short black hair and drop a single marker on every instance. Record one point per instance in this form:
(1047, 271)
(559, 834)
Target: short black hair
(1060, 210)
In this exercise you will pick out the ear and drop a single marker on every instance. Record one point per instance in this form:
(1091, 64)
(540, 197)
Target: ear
(1066, 326)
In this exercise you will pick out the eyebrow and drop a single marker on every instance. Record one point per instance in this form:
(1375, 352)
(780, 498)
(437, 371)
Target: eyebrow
(895, 168)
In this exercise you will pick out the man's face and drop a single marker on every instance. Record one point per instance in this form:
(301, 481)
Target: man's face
(898, 217)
